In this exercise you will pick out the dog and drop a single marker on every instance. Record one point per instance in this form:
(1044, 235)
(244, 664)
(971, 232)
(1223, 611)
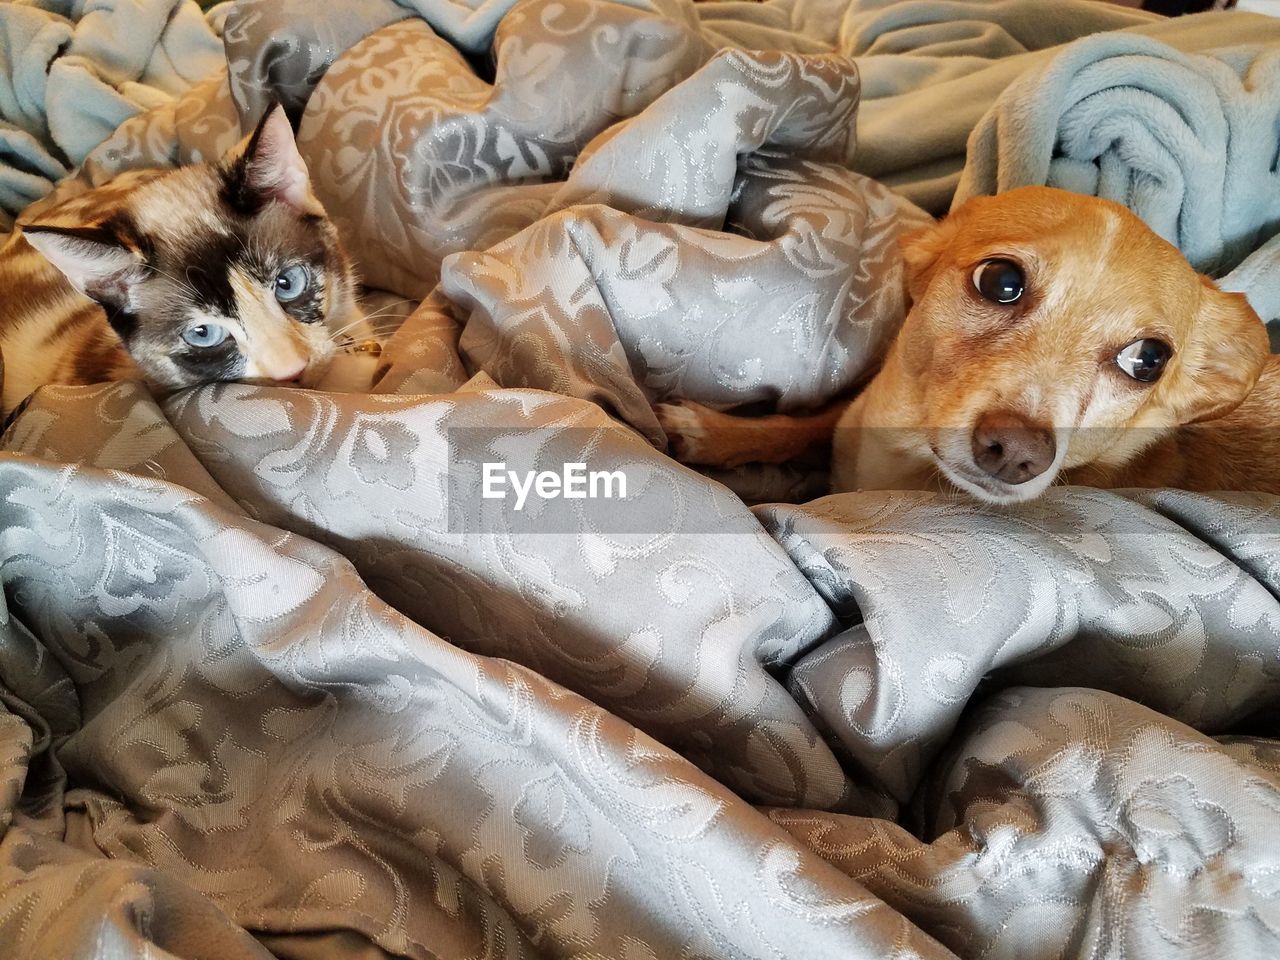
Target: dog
(1051, 338)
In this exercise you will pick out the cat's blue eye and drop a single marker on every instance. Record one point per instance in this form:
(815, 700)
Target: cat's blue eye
(291, 283)
(205, 335)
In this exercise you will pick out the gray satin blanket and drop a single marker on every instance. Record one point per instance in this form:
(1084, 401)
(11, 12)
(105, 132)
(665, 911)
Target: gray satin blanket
(278, 678)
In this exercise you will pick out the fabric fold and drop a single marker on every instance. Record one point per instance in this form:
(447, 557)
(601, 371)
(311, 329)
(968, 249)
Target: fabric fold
(1067, 819)
(1122, 591)
(1187, 142)
(303, 672)
(68, 79)
(486, 810)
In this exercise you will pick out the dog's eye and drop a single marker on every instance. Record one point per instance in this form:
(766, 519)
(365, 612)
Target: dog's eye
(1000, 281)
(1144, 360)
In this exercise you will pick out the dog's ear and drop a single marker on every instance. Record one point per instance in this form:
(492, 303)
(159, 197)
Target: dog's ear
(1222, 358)
(921, 251)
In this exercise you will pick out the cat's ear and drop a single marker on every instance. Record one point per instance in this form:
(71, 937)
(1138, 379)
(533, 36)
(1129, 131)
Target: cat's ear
(267, 166)
(92, 258)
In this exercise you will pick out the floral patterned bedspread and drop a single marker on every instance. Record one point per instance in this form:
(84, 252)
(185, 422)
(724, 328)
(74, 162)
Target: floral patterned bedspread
(279, 677)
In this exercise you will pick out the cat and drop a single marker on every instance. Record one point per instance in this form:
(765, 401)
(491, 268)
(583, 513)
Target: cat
(228, 270)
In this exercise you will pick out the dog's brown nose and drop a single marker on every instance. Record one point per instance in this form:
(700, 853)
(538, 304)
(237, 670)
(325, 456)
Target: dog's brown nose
(1011, 448)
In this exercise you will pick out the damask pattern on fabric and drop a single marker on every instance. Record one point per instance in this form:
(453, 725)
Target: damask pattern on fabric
(277, 678)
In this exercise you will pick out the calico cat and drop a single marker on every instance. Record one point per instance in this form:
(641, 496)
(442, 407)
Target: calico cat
(215, 271)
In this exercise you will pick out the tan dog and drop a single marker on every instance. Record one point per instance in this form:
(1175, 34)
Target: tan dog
(1052, 338)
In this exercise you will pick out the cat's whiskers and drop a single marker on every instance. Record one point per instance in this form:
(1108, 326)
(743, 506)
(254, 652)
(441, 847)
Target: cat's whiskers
(395, 303)
(381, 333)
(384, 325)
(246, 247)
(392, 322)
(390, 310)
(183, 285)
(341, 330)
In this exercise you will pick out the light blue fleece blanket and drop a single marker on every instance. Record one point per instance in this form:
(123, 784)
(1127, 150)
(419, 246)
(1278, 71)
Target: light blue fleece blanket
(72, 71)
(1189, 142)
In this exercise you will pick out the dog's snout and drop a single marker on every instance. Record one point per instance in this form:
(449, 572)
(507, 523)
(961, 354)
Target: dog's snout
(1011, 448)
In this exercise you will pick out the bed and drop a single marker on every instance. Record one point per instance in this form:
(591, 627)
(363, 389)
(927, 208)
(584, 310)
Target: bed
(276, 680)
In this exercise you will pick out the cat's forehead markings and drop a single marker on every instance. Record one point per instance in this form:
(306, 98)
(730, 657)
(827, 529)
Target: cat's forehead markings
(178, 204)
(252, 301)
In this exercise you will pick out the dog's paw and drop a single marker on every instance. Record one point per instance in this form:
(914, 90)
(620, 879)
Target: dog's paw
(685, 424)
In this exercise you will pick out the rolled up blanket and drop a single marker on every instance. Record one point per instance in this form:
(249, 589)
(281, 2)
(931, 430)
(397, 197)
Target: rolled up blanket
(1188, 142)
(68, 82)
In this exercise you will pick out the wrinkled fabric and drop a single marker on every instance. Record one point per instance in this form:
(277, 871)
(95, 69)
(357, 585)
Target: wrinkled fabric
(1188, 143)
(932, 68)
(479, 175)
(277, 676)
(1055, 592)
(312, 759)
(279, 51)
(722, 280)
(922, 105)
(280, 742)
(933, 75)
(1072, 822)
(70, 74)
(1258, 278)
